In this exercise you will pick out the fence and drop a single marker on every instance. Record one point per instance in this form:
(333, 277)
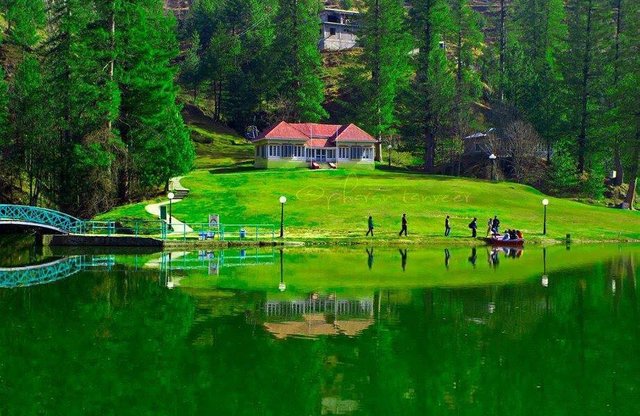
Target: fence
(184, 232)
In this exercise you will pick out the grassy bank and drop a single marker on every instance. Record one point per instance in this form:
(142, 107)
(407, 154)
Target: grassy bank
(334, 205)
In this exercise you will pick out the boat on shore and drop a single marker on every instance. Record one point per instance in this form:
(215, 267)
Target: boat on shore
(497, 240)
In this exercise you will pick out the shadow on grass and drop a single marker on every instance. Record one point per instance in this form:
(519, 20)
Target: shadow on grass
(417, 173)
(235, 168)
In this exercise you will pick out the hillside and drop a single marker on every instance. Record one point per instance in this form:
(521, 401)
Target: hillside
(335, 204)
(216, 145)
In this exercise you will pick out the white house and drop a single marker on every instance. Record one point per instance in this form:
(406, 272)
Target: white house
(298, 145)
(338, 30)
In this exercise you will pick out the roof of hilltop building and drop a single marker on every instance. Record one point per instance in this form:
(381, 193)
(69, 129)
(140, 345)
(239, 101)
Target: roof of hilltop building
(317, 135)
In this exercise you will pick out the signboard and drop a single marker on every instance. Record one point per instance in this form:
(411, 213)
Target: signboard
(214, 221)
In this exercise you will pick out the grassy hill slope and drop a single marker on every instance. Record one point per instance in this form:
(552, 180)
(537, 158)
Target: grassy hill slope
(335, 204)
(216, 145)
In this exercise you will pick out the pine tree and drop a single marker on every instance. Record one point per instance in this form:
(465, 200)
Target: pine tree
(583, 67)
(468, 44)
(540, 31)
(190, 70)
(24, 20)
(4, 110)
(301, 90)
(31, 129)
(150, 125)
(629, 93)
(386, 58)
(252, 81)
(77, 57)
(434, 85)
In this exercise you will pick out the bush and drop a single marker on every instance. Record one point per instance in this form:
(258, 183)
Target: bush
(199, 138)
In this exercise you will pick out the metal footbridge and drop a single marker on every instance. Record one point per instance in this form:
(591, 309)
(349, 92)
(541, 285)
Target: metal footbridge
(37, 217)
(61, 223)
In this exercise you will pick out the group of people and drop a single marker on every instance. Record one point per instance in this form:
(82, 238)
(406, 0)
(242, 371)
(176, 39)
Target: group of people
(512, 235)
(493, 228)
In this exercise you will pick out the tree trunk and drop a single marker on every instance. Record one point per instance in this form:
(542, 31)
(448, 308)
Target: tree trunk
(633, 172)
(586, 74)
(619, 179)
(503, 45)
(429, 151)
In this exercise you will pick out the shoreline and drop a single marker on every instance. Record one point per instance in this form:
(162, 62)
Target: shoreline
(123, 243)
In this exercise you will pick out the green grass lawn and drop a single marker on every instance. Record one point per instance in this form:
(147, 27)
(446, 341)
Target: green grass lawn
(335, 205)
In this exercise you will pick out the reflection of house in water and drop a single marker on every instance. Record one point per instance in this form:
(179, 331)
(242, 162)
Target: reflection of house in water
(318, 315)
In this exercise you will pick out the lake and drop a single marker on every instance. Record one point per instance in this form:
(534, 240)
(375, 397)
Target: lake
(363, 331)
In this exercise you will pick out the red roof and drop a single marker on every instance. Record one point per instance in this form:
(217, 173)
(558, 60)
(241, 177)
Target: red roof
(282, 130)
(353, 133)
(319, 143)
(317, 135)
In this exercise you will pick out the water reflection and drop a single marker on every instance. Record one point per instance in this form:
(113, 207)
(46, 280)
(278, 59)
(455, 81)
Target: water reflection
(370, 257)
(403, 256)
(473, 257)
(342, 338)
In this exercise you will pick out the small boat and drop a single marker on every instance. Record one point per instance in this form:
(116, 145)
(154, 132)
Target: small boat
(497, 240)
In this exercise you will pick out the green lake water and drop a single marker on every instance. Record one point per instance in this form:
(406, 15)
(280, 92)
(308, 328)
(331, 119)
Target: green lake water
(364, 331)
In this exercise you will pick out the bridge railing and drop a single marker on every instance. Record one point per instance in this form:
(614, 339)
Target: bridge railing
(40, 216)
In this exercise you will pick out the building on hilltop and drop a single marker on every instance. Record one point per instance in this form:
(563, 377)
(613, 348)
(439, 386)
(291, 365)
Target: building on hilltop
(339, 28)
(298, 145)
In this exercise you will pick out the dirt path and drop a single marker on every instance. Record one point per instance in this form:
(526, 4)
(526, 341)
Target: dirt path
(154, 209)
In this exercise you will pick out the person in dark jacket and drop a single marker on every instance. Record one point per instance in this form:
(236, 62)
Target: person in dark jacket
(404, 225)
(496, 225)
(447, 227)
(370, 224)
(474, 227)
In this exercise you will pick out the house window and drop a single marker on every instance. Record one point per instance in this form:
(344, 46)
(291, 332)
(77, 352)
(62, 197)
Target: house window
(332, 31)
(287, 150)
(356, 152)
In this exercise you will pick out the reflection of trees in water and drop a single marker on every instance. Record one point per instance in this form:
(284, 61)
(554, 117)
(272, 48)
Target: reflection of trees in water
(120, 343)
(91, 343)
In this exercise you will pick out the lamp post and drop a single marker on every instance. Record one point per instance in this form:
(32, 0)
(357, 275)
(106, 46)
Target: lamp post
(389, 148)
(282, 286)
(170, 195)
(545, 202)
(283, 200)
(493, 158)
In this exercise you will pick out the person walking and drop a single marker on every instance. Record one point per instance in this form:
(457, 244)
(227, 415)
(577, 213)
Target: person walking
(370, 224)
(490, 227)
(404, 225)
(474, 227)
(447, 227)
(496, 225)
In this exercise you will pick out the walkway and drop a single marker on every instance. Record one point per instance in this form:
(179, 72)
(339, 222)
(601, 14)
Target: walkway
(154, 209)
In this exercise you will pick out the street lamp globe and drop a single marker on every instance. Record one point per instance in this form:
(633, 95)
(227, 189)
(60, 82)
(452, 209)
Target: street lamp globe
(493, 157)
(282, 287)
(171, 195)
(545, 202)
(283, 199)
(389, 147)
